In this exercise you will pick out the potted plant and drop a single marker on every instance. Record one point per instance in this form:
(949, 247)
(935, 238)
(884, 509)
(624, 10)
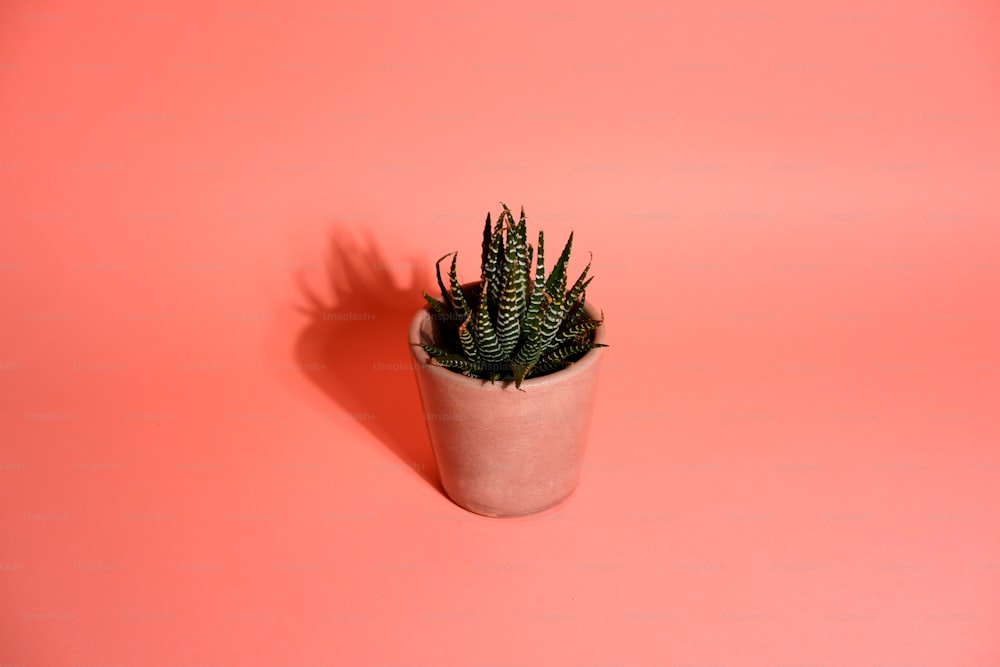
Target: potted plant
(506, 368)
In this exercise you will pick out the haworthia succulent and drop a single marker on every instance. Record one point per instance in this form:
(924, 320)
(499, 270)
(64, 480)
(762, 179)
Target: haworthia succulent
(523, 323)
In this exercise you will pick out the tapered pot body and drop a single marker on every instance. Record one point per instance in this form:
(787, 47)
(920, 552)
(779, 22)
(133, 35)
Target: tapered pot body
(503, 451)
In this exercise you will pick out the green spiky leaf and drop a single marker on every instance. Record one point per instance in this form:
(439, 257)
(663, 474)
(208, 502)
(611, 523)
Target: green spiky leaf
(492, 264)
(508, 323)
(523, 253)
(468, 340)
(444, 292)
(552, 320)
(568, 351)
(437, 306)
(487, 240)
(455, 361)
(488, 343)
(459, 304)
(579, 330)
(433, 351)
(556, 281)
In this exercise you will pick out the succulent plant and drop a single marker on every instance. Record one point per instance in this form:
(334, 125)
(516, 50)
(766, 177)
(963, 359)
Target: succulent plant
(513, 324)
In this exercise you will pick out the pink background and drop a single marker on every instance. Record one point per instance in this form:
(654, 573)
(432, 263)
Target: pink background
(216, 222)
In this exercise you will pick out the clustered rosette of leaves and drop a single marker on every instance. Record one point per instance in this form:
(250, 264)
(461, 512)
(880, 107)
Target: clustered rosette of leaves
(512, 325)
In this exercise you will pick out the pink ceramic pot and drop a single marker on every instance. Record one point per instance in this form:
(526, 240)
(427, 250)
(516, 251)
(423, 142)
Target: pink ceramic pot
(502, 451)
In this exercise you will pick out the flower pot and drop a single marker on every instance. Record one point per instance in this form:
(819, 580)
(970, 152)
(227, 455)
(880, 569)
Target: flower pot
(503, 451)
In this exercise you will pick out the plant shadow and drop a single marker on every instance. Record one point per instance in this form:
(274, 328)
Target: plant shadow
(357, 333)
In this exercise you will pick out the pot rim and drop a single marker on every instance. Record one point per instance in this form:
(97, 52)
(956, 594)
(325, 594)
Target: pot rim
(445, 375)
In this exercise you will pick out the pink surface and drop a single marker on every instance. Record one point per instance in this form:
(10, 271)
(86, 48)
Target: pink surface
(216, 222)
